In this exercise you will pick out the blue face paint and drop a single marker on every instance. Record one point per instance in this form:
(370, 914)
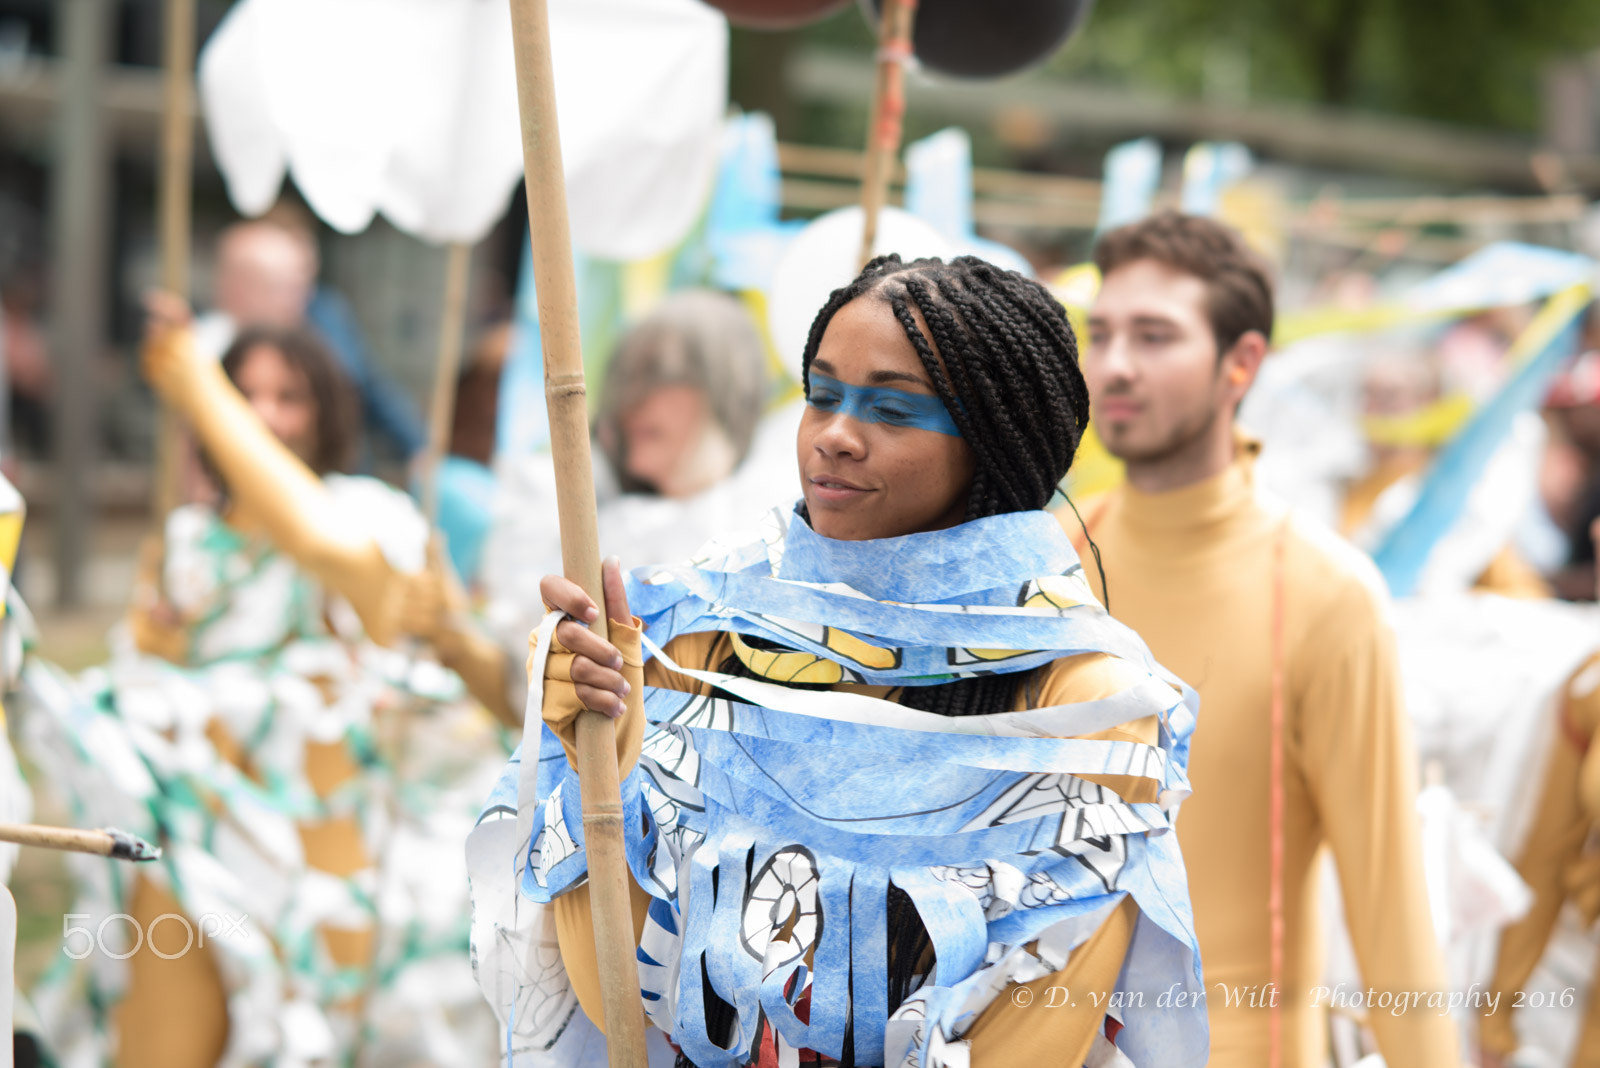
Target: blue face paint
(880, 404)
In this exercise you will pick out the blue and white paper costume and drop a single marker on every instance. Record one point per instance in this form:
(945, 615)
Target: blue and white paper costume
(792, 805)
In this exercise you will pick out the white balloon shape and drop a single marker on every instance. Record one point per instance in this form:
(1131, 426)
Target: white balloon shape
(823, 257)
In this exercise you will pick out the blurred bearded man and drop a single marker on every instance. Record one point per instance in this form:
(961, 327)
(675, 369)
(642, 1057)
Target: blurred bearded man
(1302, 738)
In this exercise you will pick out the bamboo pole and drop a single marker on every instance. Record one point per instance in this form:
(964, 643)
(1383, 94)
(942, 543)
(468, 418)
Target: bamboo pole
(172, 210)
(888, 108)
(615, 946)
(446, 372)
(110, 842)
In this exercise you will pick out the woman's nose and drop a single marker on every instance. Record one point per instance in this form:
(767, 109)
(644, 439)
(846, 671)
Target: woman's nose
(840, 435)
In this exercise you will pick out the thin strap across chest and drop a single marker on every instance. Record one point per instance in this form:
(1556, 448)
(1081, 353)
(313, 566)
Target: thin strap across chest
(1276, 798)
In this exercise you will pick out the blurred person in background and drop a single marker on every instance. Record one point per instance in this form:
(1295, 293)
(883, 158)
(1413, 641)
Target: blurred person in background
(29, 381)
(1407, 415)
(683, 452)
(466, 485)
(1560, 862)
(1570, 479)
(270, 719)
(266, 275)
(1273, 621)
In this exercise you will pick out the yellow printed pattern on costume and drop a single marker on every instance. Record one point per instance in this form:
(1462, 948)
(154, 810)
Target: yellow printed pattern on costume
(1051, 591)
(799, 666)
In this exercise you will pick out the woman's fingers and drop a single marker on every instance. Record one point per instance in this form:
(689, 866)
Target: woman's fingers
(567, 596)
(599, 688)
(616, 591)
(596, 663)
(586, 644)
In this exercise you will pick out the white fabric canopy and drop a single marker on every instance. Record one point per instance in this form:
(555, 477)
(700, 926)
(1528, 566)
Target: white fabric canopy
(409, 108)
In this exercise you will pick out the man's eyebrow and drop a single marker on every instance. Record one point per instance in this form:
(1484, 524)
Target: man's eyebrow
(1146, 319)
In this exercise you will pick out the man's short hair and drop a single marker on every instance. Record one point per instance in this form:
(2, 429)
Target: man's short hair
(1238, 280)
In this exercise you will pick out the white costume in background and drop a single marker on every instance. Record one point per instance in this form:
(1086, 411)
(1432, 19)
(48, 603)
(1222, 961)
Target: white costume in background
(524, 542)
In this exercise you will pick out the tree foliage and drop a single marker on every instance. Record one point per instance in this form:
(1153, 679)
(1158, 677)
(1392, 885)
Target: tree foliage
(1476, 62)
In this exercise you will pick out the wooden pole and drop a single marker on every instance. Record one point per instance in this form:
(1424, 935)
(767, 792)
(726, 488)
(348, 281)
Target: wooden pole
(172, 211)
(888, 109)
(118, 845)
(446, 372)
(615, 945)
(80, 243)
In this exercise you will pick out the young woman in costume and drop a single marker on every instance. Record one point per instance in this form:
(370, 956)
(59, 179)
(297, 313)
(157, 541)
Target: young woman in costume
(895, 784)
(299, 775)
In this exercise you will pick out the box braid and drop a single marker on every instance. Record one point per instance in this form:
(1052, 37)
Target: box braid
(1004, 361)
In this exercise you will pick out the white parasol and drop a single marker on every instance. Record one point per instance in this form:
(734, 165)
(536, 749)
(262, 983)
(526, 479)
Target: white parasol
(408, 108)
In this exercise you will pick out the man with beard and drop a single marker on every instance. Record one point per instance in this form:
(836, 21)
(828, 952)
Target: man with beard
(1302, 738)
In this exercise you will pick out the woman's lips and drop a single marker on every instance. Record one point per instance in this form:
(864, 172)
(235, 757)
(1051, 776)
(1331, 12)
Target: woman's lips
(836, 490)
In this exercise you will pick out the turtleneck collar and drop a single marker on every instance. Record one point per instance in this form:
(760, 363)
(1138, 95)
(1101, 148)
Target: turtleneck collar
(1205, 504)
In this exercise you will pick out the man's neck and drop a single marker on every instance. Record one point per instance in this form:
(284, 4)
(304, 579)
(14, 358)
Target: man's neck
(1203, 458)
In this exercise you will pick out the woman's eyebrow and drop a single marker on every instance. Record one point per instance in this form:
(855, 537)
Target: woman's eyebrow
(876, 378)
(879, 377)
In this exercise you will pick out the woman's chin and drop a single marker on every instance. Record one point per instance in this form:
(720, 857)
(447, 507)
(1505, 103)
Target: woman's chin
(836, 527)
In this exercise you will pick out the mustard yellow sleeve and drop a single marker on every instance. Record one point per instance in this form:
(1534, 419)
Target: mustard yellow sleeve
(703, 651)
(1555, 839)
(574, 918)
(1056, 1028)
(1360, 767)
(1091, 677)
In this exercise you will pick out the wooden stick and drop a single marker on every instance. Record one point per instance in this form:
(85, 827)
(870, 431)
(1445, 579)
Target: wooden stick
(888, 108)
(615, 944)
(446, 372)
(110, 842)
(172, 209)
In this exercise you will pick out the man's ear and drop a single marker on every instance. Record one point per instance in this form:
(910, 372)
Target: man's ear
(1242, 362)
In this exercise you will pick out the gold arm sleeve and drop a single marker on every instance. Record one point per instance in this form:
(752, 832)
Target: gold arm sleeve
(1554, 841)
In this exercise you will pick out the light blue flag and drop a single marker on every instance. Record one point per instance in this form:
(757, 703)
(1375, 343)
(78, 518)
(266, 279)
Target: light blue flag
(523, 422)
(1500, 275)
(1132, 176)
(939, 191)
(743, 231)
(1209, 168)
(1405, 550)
